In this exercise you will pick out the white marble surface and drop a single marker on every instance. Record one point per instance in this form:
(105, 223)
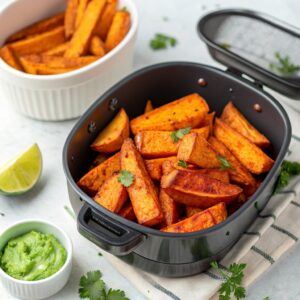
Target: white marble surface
(48, 198)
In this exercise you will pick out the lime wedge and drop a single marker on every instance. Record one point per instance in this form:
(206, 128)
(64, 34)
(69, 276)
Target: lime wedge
(20, 174)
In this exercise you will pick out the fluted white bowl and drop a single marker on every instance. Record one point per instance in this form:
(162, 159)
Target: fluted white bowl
(62, 96)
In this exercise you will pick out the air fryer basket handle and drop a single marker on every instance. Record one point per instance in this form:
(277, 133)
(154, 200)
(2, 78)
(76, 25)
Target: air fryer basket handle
(108, 234)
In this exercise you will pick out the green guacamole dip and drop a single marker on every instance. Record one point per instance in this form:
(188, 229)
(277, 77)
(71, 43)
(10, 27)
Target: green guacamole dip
(32, 256)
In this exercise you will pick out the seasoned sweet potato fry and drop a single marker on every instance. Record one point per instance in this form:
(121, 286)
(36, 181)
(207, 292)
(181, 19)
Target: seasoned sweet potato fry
(9, 57)
(149, 106)
(192, 210)
(37, 28)
(58, 50)
(201, 220)
(195, 189)
(81, 37)
(45, 70)
(82, 4)
(97, 46)
(39, 43)
(111, 138)
(185, 112)
(196, 150)
(92, 181)
(221, 175)
(232, 117)
(237, 173)
(154, 166)
(119, 28)
(209, 121)
(106, 18)
(70, 17)
(152, 144)
(252, 157)
(100, 158)
(142, 192)
(112, 194)
(169, 208)
(127, 211)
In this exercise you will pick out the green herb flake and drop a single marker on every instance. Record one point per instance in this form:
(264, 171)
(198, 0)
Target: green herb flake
(161, 41)
(266, 298)
(283, 65)
(126, 178)
(287, 171)
(232, 281)
(179, 134)
(166, 19)
(100, 254)
(182, 163)
(225, 164)
(225, 46)
(93, 287)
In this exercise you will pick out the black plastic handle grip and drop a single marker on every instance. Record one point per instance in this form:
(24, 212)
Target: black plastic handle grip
(108, 234)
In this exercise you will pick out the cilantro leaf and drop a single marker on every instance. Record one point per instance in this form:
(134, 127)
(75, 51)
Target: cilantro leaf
(161, 41)
(287, 171)
(92, 286)
(232, 281)
(179, 134)
(182, 163)
(283, 65)
(225, 164)
(116, 295)
(266, 298)
(225, 46)
(126, 178)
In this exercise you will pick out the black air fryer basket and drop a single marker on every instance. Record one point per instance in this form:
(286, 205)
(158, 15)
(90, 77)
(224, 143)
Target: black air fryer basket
(171, 254)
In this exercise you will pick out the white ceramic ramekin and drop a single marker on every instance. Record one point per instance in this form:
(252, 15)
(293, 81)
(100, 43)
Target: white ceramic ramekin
(44, 288)
(63, 96)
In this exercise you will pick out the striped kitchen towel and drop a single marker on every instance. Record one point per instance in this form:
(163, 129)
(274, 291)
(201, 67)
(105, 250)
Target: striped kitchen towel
(276, 229)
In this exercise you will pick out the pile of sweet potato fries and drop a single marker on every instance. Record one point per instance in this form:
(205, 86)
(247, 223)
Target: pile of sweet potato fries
(85, 32)
(185, 170)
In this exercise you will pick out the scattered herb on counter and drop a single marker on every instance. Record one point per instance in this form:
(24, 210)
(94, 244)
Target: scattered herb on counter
(287, 171)
(232, 281)
(225, 164)
(179, 134)
(161, 41)
(100, 254)
(225, 46)
(283, 65)
(126, 178)
(69, 211)
(182, 163)
(266, 298)
(166, 19)
(93, 287)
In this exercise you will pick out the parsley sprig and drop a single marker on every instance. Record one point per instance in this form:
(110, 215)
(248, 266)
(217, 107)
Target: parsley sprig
(283, 65)
(182, 163)
(126, 178)
(179, 134)
(232, 281)
(93, 287)
(161, 41)
(225, 164)
(287, 171)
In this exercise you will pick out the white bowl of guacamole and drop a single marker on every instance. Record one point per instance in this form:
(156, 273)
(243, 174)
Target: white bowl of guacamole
(35, 259)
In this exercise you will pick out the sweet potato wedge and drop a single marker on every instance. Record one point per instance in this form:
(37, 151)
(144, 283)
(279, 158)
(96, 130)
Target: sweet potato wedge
(201, 220)
(185, 112)
(127, 212)
(58, 50)
(119, 28)
(154, 166)
(218, 174)
(112, 194)
(233, 117)
(169, 208)
(92, 181)
(45, 70)
(195, 189)
(37, 28)
(81, 37)
(111, 138)
(39, 43)
(97, 46)
(106, 18)
(100, 158)
(142, 192)
(252, 157)
(196, 150)
(9, 57)
(153, 144)
(237, 173)
(149, 106)
(192, 210)
(82, 4)
(209, 121)
(70, 17)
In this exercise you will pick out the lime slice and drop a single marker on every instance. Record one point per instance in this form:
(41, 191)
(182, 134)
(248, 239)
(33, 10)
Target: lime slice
(20, 174)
